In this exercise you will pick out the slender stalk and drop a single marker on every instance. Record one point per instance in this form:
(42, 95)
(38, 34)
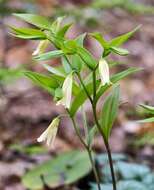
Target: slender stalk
(107, 146)
(84, 122)
(94, 168)
(94, 85)
(78, 133)
(89, 150)
(89, 153)
(111, 165)
(90, 99)
(93, 103)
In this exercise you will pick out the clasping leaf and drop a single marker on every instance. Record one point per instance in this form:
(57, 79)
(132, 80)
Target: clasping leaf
(109, 111)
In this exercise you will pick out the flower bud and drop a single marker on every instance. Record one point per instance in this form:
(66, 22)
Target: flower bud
(67, 92)
(50, 133)
(41, 47)
(104, 71)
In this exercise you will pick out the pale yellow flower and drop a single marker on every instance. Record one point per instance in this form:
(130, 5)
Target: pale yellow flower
(50, 133)
(41, 47)
(104, 71)
(67, 92)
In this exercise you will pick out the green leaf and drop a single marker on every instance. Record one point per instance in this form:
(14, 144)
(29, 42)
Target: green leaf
(103, 43)
(115, 63)
(69, 47)
(49, 55)
(62, 31)
(54, 70)
(58, 94)
(81, 97)
(148, 108)
(66, 65)
(44, 81)
(91, 135)
(80, 39)
(109, 111)
(87, 57)
(119, 51)
(56, 24)
(57, 75)
(100, 39)
(62, 170)
(148, 120)
(123, 38)
(36, 20)
(77, 62)
(27, 33)
(115, 78)
(76, 59)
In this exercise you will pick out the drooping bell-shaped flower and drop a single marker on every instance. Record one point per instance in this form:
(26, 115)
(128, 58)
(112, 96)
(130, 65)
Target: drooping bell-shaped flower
(67, 92)
(41, 47)
(50, 133)
(104, 71)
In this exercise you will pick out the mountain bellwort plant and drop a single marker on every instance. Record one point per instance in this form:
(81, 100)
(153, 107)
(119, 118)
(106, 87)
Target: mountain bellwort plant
(68, 84)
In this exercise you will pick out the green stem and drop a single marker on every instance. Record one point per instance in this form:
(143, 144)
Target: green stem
(84, 122)
(107, 146)
(78, 133)
(94, 168)
(93, 103)
(94, 85)
(84, 87)
(89, 152)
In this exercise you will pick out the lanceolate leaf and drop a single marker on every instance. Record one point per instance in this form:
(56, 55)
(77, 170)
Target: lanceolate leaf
(75, 88)
(66, 65)
(61, 33)
(117, 77)
(27, 33)
(77, 62)
(119, 51)
(100, 39)
(82, 97)
(148, 120)
(109, 112)
(44, 81)
(54, 70)
(57, 24)
(49, 55)
(148, 108)
(87, 57)
(123, 38)
(91, 135)
(80, 39)
(36, 20)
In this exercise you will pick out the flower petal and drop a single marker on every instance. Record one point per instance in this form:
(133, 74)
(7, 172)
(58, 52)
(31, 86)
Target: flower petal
(104, 72)
(41, 47)
(50, 133)
(67, 92)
